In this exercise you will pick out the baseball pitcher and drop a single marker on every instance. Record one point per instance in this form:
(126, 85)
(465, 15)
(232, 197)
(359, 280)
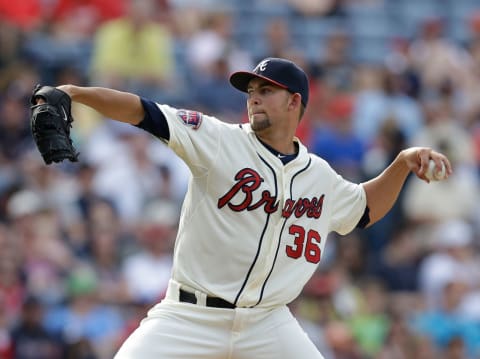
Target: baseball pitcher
(254, 221)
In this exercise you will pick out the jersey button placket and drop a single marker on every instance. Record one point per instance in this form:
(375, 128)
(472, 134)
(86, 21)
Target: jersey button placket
(262, 268)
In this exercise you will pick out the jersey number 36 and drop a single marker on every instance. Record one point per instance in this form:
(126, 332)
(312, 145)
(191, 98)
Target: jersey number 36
(305, 243)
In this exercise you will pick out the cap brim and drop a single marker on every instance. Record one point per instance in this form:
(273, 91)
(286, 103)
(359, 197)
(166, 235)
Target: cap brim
(240, 80)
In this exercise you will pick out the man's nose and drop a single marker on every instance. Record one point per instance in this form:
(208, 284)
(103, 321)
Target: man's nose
(254, 99)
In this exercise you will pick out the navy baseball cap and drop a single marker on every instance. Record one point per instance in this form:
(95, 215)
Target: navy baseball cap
(280, 72)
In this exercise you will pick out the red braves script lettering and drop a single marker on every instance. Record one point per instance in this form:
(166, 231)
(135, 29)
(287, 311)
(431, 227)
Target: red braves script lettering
(311, 207)
(248, 181)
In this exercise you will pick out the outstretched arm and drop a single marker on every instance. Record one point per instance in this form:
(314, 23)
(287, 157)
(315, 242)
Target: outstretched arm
(383, 190)
(117, 105)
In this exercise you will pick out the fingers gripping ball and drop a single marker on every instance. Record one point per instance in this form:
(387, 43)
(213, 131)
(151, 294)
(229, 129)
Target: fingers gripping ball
(433, 173)
(50, 123)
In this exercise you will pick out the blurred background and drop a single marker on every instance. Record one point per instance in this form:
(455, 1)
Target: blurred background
(85, 248)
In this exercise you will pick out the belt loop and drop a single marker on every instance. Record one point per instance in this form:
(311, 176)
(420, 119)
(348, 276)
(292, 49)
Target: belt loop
(173, 290)
(201, 298)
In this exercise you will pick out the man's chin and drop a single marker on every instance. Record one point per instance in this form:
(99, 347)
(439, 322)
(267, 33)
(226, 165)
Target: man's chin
(259, 124)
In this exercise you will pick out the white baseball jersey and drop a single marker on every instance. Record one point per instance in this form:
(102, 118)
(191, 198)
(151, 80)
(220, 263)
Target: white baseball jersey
(252, 230)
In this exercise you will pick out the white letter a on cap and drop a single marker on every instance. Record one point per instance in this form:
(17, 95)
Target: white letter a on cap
(261, 66)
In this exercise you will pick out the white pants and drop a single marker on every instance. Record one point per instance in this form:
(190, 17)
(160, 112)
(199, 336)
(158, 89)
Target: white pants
(174, 330)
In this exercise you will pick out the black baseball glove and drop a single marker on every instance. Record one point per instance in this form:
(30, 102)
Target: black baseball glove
(50, 123)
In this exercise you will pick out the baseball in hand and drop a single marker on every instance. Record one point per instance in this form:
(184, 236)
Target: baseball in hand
(433, 174)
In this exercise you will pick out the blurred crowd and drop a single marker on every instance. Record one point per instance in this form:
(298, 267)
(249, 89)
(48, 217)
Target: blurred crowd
(86, 247)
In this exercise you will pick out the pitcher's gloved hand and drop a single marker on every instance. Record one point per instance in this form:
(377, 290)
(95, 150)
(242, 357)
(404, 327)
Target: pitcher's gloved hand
(50, 121)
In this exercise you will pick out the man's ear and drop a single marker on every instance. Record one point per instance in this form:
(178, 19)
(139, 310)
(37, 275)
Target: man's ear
(295, 101)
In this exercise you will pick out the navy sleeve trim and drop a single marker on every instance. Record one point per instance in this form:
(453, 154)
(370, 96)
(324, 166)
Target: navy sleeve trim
(154, 121)
(365, 220)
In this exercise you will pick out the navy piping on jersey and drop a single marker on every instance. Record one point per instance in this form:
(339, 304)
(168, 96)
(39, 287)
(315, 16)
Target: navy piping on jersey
(296, 174)
(281, 232)
(273, 264)
(261, 237)
(283, 157)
